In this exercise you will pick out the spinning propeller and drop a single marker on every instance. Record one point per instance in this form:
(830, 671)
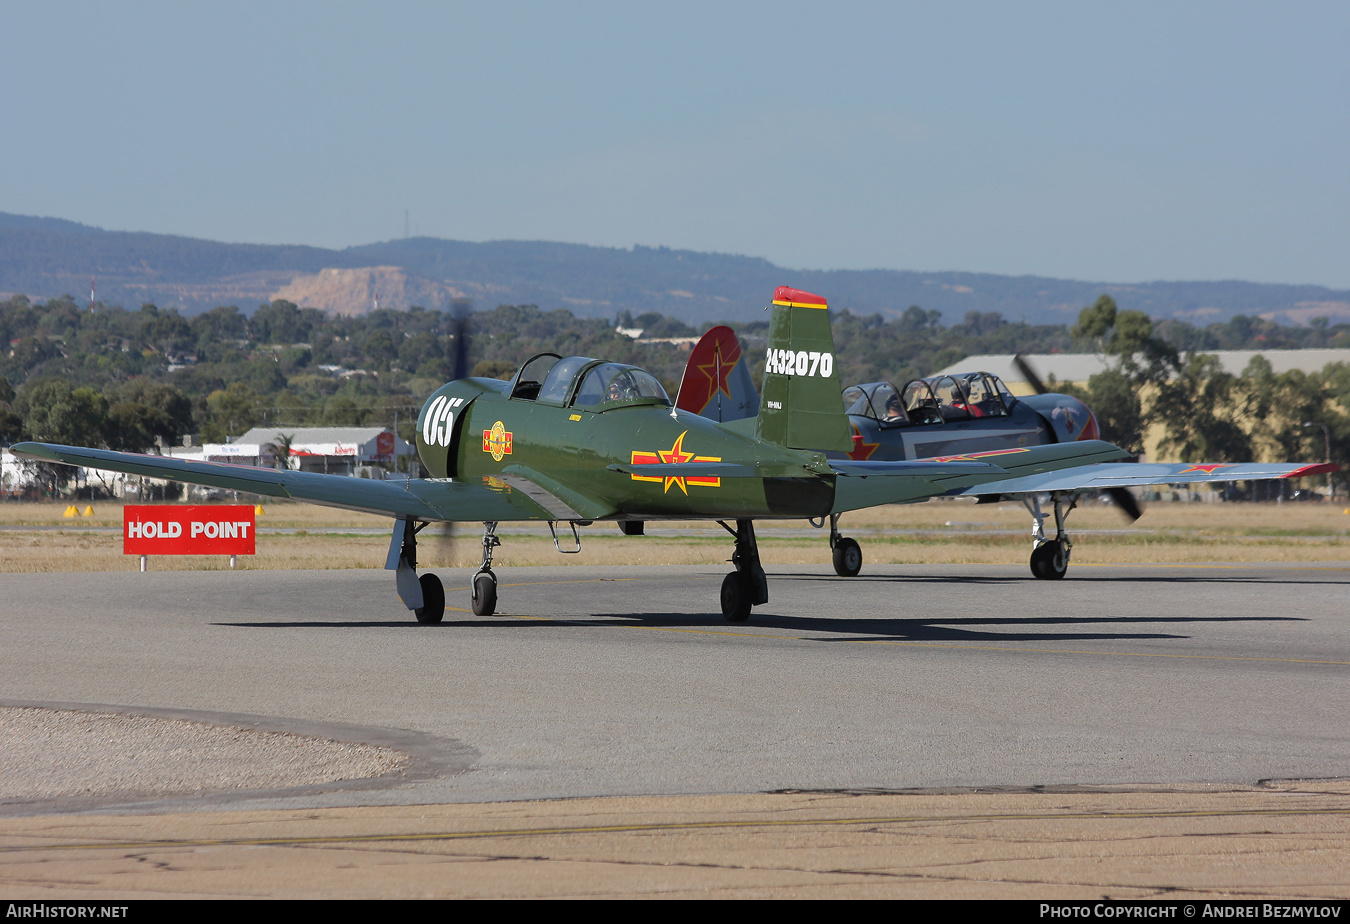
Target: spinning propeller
(1121, 497)
(442, 535)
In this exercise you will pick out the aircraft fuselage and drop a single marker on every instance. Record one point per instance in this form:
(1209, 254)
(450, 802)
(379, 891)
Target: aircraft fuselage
(471, 430)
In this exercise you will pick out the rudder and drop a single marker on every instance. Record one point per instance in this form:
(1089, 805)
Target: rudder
(717, 382)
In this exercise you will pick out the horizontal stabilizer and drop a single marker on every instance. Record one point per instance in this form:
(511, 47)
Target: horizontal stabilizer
(921, 468)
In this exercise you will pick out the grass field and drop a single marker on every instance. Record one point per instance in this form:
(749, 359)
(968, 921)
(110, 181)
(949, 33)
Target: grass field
(37, 537)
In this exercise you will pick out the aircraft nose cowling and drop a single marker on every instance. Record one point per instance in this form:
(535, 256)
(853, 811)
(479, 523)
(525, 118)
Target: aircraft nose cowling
(1073, 420)
(440, 423)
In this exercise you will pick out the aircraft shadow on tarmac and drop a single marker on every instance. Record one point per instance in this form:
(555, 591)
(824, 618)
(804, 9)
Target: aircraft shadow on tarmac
(992, 580)
(839, 628)
(948, 629)
(1079, 578)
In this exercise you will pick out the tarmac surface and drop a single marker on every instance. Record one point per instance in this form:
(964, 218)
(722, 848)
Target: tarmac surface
(1138, 696)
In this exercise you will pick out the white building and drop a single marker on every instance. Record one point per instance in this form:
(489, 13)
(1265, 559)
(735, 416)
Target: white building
(16, 474)
(332, 450)
(1077, 368)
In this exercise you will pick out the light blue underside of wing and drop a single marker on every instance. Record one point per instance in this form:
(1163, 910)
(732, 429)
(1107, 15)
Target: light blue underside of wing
(1095, 477)
(419, 499)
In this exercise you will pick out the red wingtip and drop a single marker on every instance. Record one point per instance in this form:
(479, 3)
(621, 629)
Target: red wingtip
(1317, 468)
(790, 296)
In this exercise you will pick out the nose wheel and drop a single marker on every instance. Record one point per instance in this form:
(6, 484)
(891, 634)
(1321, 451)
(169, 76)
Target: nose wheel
(847, 554)
(484, 598)
(484, 593)
(1049, 561)
(1050, 557)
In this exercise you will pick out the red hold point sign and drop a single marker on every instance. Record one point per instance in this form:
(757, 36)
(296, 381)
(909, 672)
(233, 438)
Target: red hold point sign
(198, 530)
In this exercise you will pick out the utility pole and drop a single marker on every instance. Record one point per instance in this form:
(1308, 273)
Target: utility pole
(1326, 436)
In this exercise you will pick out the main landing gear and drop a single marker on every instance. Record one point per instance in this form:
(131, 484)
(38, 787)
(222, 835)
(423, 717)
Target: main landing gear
(424, 594)
(847, 552)
(746, 586)
(1050, 557)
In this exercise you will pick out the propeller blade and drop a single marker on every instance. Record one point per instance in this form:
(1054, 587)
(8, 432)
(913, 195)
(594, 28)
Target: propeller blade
(444, 548)
(459, 332)
(1126, 502)
(1029, 374)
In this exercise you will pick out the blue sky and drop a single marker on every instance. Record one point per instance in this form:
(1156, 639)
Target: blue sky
(1109, 142)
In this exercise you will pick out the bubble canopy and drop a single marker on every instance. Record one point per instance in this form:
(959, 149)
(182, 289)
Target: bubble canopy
(584, 382)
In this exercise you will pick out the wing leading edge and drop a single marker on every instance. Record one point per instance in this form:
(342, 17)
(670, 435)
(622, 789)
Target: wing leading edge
(1096, 477)
(411, 498)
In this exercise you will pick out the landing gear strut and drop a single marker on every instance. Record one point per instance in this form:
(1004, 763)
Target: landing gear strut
(847, 553)
(1050, 557)
(485, 582)
(746, 586)
(424, 595)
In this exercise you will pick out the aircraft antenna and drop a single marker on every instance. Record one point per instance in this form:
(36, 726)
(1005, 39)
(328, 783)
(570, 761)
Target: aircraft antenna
(717, 368)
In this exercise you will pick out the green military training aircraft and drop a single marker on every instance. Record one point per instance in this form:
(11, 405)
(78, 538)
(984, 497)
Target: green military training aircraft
(577, 440)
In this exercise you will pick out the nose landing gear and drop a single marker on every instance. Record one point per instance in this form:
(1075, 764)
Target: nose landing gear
(847, 553)
(1050, 557)
(484, 599)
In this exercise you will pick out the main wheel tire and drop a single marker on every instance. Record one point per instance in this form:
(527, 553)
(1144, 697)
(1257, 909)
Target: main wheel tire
(484, 593)
(735, 598)
(1049, 561)
(847, 558)
(432, 609)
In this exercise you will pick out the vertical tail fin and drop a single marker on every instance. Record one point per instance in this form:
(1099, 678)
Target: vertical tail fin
(801, 407)
(717, 382)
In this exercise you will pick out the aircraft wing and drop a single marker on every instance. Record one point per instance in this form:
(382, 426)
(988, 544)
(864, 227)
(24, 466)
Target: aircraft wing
(951, 474)
(1095, 477)
(413, 498)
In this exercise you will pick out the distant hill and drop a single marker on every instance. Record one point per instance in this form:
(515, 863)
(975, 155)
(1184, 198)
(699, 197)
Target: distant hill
(46, 257)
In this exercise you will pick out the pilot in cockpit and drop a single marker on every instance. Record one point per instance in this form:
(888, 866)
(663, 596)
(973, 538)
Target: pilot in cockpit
(621, 387)
(894, 411)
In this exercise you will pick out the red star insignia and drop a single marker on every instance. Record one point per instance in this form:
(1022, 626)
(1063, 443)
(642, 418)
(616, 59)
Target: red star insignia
(717, 372)
(861, 450)
(1207, 467)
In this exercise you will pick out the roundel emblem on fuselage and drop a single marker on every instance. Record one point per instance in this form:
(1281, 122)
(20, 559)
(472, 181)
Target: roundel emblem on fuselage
(497, 441)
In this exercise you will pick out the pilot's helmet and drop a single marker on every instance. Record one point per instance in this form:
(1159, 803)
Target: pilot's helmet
(622, 387)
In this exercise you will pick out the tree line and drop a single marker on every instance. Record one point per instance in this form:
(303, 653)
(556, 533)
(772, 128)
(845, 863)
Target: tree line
(127, 379)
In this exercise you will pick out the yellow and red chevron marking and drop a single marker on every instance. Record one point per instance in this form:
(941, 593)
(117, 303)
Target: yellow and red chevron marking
(797, 298)
(974, 456)
(1208, 467)
(675, 453)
